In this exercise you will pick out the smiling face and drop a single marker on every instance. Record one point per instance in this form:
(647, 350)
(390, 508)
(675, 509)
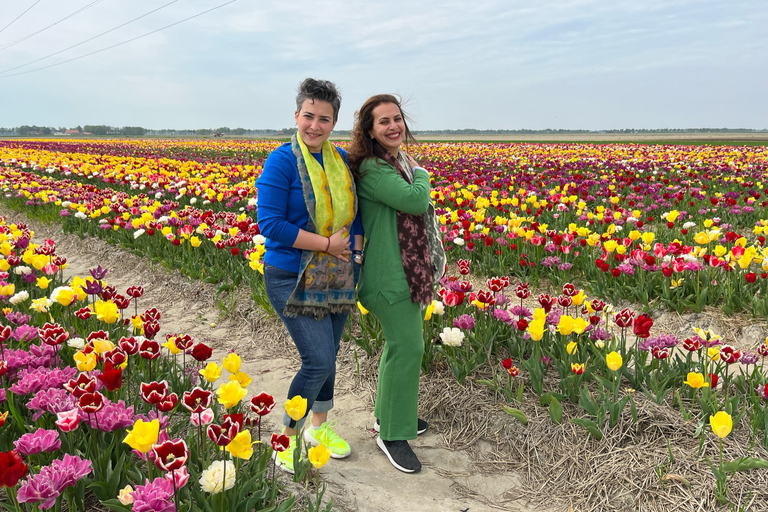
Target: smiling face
(315, 123)
(388, 127)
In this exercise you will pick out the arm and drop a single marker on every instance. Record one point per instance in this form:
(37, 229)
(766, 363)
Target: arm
(396, 193)
(273, 204)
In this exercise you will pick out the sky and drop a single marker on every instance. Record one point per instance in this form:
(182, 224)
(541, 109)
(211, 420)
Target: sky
(484, 64)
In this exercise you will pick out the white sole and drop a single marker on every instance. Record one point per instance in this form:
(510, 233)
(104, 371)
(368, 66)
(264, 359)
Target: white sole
(380, 444)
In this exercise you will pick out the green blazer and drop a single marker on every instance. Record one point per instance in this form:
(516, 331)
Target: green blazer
(381, 193)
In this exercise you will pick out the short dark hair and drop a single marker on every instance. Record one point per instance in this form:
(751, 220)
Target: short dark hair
(323, 90)
(361, 145)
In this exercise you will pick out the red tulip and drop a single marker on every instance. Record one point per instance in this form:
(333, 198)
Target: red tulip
(53, 334)
(202, 352)
(91, 402)
(149, 349)
(642, 326)
(547, 302)
(154, 392)
(168, 403)
(171, 455)
(82, 385)
(198, 397)
(281, 442)
(12, 468)
(624, 318)
(112, 377)
(729, 354)
(262, 403)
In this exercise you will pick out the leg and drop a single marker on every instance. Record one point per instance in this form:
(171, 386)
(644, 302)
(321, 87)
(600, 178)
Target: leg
(315, 342)
(399, 369)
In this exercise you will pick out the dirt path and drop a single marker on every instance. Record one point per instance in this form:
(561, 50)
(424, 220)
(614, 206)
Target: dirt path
(365, 481)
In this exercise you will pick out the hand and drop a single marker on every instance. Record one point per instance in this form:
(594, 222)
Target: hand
(411, 161)
(339, 246)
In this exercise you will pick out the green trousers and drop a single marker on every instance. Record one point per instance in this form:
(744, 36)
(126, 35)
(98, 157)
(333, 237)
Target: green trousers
(400, 366)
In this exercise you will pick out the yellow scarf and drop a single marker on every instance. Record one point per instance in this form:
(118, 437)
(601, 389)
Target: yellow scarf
(331, 183)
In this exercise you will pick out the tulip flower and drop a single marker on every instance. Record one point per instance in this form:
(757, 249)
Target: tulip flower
(721, 424)
(536, 329)
(12, 468)
(571, 348)
(198, 397)
(696, 380)
(107, 311)
(154, 392)
(565, 326)
(202, 352)
(262, 403)
(319, 455)
(211, 372)
(232, 362)
(125, 496)
(111, 377)
(170, 455)
(280, 442)
(614, 361)
(143, 435)
(85, 362)
(242, 378)
(231, 393)
(241, 445)
(68, 421)
(296, 407)
(577, 368)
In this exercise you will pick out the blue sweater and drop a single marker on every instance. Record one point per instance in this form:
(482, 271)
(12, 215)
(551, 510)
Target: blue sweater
(281, 209)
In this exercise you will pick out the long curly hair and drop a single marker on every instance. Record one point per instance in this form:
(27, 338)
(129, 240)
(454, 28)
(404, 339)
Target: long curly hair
(362, 145)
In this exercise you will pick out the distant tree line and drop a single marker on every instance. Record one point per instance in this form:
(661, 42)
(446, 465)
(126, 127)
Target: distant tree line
(138, 131)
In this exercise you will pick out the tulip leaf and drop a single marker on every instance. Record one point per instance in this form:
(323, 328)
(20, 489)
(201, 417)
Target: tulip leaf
(555, 410)
(590, 427)
(745, 464)
(516, 413)
(113, 504)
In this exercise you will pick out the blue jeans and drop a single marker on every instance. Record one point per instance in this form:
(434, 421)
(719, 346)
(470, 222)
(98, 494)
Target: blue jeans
(316, 340)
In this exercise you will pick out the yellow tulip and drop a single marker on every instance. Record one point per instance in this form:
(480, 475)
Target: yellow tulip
(241, 446)
(696, 380)
(39, 261)
(43, 282)
(4, 265)
(721, 424)
(231, 393)
(85, 362)
(701, 238)
(107, 311)
(571, 348)
(242, 378)
(319, 455)
(614, 361)
(363, 311)
(211, 372)
(65, 296)
(296, 407)
(101, 345)
(194, 241)
(8, 289)
(232, 362)
(713, 353)
(536, 329)
(565, 326)
(143, 435)
(579, 324)
(171, 346)
(428, 313)
(578, 299)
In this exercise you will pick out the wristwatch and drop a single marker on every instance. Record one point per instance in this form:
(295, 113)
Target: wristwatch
(357, 256)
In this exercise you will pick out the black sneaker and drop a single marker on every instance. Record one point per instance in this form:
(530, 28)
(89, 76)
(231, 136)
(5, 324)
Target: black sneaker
(421, 426)
(400, 455)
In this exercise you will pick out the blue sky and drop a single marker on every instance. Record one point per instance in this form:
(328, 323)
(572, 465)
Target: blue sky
(486, 64)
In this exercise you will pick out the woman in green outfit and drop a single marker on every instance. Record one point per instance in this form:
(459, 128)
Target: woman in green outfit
(404, 257)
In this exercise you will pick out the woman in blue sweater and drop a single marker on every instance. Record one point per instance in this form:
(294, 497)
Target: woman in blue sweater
(307, 210)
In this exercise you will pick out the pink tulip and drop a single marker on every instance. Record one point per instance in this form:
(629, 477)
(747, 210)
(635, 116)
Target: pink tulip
(68, 421)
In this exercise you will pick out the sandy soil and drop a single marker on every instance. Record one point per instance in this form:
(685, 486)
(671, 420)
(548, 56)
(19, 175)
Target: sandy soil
(365, 481)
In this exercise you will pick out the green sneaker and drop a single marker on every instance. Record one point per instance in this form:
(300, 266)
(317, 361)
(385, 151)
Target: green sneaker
(325, 434)
(284, 459)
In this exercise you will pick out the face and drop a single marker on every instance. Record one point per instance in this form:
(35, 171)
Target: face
(388, 126)
(315, 123)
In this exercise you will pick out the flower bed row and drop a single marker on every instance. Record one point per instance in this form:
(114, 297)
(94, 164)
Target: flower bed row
(96, 407)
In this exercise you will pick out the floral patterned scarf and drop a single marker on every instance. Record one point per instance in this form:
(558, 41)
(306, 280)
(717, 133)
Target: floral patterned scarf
(414, 243)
